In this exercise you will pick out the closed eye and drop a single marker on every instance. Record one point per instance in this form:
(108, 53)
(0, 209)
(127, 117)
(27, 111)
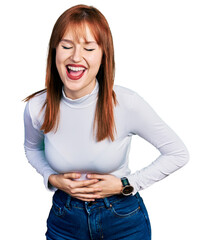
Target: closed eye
(66, 47)
(87, 49)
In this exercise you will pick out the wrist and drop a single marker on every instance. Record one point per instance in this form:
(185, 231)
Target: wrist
(51, 180)
(120, 187)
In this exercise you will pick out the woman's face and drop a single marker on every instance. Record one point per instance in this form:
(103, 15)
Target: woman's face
(78, 63)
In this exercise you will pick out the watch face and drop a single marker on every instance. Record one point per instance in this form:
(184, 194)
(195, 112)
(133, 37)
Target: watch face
(128, 190)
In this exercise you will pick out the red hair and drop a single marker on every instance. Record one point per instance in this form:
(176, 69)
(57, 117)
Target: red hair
(77, 18)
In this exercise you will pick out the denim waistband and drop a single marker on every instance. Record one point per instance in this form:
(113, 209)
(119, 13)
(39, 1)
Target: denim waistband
(107, 201)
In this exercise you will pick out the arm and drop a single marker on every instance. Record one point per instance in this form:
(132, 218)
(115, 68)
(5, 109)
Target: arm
(34, 148)
(144, 122)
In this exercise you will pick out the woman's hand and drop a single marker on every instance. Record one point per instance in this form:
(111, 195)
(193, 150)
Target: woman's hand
(109, 184)
(84, 190)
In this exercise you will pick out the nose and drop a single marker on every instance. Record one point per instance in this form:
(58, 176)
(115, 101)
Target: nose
(77, 54)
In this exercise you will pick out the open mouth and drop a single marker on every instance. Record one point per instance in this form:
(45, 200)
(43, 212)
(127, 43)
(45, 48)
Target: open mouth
(75, 72)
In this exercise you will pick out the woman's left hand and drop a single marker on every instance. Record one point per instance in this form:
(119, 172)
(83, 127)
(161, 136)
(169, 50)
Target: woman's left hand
(108, 184)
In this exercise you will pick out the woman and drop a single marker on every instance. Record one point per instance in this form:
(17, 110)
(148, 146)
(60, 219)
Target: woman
(78, 133)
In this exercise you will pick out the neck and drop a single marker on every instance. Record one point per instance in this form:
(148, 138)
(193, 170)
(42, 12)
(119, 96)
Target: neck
(75, 94)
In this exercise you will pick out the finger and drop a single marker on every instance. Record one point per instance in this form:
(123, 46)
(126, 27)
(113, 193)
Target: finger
(85, 190)
(96, 176)
(87, 196)
(85, 183)
(72, 175)
(86, 200)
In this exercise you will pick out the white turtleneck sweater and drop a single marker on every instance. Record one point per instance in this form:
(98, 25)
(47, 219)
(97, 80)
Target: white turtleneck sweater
(72, 148)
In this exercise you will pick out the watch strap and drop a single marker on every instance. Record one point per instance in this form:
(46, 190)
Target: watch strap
(125, 181)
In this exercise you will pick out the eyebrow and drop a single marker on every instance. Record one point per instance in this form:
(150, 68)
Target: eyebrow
(70, 41)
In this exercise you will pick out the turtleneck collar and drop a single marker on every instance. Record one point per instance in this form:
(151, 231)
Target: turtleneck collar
(83, 101)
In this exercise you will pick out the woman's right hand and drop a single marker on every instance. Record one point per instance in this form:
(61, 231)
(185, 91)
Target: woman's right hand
(78, 189)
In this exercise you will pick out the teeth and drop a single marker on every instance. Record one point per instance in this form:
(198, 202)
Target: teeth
(76, 68)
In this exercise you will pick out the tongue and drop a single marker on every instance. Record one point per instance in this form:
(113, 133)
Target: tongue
(75, 73)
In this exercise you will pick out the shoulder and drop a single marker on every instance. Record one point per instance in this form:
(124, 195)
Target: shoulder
(131, 101)
(36, 103)
(34, 106)
(126, 95)
(120, 90)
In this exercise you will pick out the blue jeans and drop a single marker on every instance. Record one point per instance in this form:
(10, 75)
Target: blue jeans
(116, 217)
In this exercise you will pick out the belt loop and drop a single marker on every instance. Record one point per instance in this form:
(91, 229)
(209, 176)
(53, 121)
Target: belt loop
(68, 201)
(107, 203)
(137, 195)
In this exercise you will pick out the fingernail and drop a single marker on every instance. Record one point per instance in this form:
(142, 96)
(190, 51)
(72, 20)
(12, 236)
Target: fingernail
(88, 175)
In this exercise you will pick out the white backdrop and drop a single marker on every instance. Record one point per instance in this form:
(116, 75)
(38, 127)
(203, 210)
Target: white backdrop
(162, 51)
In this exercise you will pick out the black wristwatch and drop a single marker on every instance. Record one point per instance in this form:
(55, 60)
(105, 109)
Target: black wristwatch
(127, 188)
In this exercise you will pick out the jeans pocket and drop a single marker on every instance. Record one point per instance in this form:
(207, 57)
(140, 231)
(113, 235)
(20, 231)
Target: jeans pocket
(125, 207)
(58, 209)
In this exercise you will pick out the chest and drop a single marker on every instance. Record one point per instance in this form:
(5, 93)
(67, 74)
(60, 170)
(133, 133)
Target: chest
(74, 148)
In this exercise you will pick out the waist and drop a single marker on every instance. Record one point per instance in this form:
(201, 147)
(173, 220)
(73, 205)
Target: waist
(66, 199)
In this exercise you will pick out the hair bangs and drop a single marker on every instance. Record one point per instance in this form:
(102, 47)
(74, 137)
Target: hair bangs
(78, 30)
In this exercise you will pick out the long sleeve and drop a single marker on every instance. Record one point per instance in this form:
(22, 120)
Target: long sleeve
(34, 148)
(72, 149)
(144, 122)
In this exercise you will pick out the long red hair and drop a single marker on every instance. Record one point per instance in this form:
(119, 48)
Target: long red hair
(77, 17)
